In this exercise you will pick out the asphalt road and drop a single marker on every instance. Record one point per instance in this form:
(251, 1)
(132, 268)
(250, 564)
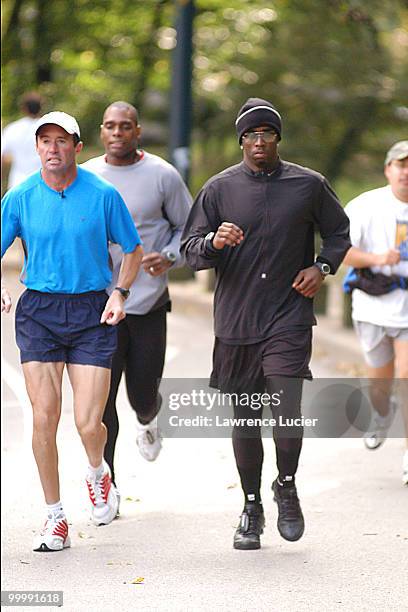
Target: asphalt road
(171, 548)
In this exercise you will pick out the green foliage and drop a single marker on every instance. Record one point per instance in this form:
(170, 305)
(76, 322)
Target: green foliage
(95, 52)
(336, 69)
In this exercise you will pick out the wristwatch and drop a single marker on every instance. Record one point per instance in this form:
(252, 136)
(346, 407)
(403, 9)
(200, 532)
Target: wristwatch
(209, 236)
(123, 292)
(170, 256)
(324, 268)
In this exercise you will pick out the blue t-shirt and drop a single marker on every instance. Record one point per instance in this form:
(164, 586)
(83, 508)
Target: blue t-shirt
(66, 234)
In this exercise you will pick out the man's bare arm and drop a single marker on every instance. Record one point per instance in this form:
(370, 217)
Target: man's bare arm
(114, 310)
(361, 259)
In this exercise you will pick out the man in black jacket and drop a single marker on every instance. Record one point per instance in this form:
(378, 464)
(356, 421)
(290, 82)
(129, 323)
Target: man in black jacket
(255, 223)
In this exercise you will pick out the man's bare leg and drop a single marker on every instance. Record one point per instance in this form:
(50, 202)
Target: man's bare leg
(381, 385)
(381, 382)
(43, 382)
(90, 385)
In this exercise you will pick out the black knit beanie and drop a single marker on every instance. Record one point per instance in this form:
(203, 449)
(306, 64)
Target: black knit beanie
(256, 112)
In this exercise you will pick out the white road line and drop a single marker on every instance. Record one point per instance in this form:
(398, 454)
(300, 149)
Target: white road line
(15, 381)
(11, 404)
(171, 353)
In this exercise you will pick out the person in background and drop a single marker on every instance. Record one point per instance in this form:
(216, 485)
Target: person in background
(18, 152)
(159, 203)
(379, 235)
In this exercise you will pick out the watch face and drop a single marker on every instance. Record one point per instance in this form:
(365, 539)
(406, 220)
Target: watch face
(324, 268)
(170, 256)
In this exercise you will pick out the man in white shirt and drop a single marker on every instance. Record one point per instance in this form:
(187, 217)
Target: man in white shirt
(18, 142)
(379, 235)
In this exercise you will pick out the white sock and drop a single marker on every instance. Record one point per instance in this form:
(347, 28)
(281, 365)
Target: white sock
(96, 472)
(145, 426)
(382, 421)
(286, 479)
(55, 509)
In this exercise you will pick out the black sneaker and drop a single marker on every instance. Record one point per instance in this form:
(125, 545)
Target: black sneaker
(250, 527)
(291, 523)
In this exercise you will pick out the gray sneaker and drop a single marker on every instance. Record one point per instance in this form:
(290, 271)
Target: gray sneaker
(379, 427)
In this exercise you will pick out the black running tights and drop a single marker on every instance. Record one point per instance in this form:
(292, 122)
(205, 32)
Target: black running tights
(247, 441)
(140, 354)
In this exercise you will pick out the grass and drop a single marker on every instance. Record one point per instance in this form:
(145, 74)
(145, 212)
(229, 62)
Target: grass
(347, 188)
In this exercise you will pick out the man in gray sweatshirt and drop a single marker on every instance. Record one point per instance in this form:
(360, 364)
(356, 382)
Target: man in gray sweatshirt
(159, 203)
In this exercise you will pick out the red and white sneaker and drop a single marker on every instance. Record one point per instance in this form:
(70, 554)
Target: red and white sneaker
(102, 494)
(54, 535)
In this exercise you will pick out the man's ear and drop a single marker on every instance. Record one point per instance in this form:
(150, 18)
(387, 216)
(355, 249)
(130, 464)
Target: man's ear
(79, 147)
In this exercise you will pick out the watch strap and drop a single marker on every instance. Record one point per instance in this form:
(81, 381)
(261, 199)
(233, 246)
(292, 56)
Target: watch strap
(123, 292)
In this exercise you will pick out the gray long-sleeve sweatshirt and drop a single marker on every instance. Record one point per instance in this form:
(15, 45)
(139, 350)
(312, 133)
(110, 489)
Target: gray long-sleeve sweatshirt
(159, 203)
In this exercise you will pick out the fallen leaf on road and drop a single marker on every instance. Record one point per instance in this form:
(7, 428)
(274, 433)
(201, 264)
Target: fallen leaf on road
(138, 580)
(25, 562)
(84, 536)
(370, 534)
(232, 486)
(132, 499)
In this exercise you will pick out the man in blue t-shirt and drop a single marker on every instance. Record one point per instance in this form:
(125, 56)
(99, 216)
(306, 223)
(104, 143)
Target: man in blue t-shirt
(66, 217)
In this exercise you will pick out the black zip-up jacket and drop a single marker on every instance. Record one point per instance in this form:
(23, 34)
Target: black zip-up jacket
(278, 214)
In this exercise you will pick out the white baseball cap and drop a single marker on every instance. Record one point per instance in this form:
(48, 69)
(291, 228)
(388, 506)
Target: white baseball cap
(68, 123)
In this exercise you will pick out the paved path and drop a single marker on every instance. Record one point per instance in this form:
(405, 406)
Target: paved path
(179, 514)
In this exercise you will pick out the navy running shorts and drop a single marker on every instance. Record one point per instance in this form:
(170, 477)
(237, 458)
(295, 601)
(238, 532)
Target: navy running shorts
(64, 327)
(244, 368)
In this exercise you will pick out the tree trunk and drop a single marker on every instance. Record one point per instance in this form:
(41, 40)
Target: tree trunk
(10, 38)
(147, 55)
(42, 47)
(363, 115)
(364, 112)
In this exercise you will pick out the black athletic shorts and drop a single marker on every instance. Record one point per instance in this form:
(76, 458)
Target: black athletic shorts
(54, 327)
(243, 368)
